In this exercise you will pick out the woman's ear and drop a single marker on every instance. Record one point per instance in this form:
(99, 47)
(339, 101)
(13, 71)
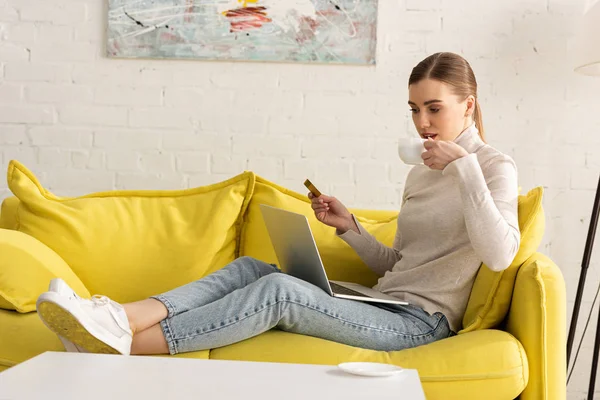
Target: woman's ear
(470, 106)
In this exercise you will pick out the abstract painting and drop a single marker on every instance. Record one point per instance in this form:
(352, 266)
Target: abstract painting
(322, 31)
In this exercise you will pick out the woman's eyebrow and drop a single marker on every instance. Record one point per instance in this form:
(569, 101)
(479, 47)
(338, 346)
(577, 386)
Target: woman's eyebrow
(428, 102)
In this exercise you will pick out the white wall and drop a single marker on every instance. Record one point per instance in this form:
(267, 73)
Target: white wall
(84, 123)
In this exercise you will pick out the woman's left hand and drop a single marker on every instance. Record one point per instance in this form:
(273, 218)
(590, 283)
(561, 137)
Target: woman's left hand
(440, 153)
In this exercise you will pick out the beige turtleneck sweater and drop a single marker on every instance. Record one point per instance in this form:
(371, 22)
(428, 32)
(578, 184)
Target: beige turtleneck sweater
(449, 223)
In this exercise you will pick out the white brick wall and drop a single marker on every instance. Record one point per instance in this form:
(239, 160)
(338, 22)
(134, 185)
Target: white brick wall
(83, 122)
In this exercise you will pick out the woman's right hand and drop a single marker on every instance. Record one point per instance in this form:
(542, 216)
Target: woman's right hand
(332, 212)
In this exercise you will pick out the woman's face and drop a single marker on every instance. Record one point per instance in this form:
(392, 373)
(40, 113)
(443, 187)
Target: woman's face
(437, 112)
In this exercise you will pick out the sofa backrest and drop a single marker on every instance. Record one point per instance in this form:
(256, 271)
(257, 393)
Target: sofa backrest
(130, 245)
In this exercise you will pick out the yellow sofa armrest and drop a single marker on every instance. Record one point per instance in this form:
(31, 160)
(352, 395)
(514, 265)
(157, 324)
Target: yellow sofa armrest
(8, 213)
(26, 268)
(537, 318)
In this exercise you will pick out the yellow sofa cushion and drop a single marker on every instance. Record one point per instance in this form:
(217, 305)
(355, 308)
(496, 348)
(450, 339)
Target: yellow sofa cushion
(492, 291)
(24, 336)
(130, 245)
(449, 369)
(26, 267)
(340, 260)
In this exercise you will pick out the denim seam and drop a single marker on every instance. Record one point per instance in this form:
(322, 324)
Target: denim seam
(439, 324)
(168, 332)
(170, 308)
(423, 335)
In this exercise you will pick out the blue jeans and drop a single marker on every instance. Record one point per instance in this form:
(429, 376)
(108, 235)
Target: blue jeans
(249, 297)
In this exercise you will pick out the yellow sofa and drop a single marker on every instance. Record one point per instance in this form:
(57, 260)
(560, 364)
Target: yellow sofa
(131, 244)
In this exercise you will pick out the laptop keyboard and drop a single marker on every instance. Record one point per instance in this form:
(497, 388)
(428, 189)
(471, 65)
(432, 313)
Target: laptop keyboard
(337, 289)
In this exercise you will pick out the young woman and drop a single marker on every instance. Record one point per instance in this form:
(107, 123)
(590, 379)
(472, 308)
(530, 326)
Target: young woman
(459, 209)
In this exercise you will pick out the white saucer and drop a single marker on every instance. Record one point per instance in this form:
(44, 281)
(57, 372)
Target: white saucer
(370, 369)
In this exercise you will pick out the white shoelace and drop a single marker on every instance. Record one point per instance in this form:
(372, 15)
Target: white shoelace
(100, 300)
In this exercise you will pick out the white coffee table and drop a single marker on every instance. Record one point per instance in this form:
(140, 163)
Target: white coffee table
(65, 376)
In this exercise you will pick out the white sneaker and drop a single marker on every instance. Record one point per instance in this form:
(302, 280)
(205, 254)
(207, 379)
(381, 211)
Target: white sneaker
(59, 286)
(99, 324)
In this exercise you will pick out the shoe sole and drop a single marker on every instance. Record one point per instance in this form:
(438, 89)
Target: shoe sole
(62, 322)
(59, 286)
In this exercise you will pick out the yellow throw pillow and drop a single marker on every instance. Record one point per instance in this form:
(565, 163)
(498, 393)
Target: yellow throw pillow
(492, 291)
(26, 268)
(133, 244)
(340, 260)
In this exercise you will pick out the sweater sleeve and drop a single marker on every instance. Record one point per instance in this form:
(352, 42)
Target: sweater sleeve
(490, 207)
(379, 257)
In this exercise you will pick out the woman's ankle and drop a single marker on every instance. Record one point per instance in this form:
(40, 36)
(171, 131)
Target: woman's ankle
(144, 314)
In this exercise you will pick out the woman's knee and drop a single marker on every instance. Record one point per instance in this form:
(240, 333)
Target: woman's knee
(284, 287)
(261, 267)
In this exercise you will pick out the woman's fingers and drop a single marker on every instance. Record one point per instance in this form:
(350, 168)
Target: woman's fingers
(319, 200)
(321, 207)
(318, 204)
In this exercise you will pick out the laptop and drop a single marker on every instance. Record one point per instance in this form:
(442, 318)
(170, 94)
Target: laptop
(299, 256)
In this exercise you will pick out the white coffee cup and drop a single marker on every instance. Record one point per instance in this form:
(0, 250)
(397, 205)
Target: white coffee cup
(410, 150)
